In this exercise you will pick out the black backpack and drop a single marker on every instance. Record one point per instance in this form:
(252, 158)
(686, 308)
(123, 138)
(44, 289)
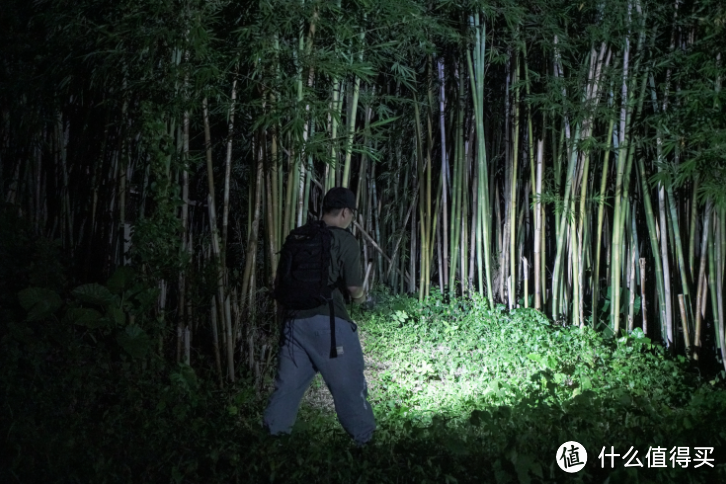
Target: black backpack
(303, 272)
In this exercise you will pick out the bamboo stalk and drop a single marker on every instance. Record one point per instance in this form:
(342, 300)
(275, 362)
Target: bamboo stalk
(702, 280)
(429, 219)
(666, 266)
(290, 195)
(352, 118)
(476, 74)
(465, 220)
(253, 236)
(692, 231)
(526, 281)
(444, 178)
(619, 189)
(216, 250)
(473, 235)
(457, 198)
(228, 164)
(422, 197)
(412, 259)
(513, 193)
(720, 246)
(642, 295)
(712, 277)
(684, 322)
(334, 167)
(652, 230)
(671, 213)
(631, 288)
(360, 194)
(538, 229)
(557, 282)
(581, 241)
(185, 229)
(271, 225)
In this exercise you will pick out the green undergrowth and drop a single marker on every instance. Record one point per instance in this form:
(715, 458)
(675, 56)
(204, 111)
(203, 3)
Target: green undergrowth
(462, 393)
(449, 359)
(510, 387)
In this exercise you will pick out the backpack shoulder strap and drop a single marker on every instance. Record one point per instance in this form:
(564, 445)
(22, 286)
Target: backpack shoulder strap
(331, 303)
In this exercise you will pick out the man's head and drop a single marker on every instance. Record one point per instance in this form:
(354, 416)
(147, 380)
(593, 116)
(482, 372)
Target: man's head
(339, 207)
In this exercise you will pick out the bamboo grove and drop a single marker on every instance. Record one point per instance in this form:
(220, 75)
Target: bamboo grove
(565, 156)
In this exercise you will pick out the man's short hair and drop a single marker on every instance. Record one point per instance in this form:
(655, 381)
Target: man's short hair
(332, 211)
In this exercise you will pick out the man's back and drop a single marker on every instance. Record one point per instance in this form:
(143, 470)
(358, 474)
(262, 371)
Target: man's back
(344, 271)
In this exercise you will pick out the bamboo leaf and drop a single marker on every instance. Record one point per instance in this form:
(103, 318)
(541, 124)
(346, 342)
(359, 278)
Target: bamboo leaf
(383, 122)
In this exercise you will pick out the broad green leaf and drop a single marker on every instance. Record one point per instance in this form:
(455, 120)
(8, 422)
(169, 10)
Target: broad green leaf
(134, 341)
(586, 383)
(39, 302)
(116, 314)
(121, 279)
(87, 317)
(31, 296)
(535, 357)
(94, 293)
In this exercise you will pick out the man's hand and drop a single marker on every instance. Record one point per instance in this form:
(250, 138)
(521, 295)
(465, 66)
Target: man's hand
(357, 294)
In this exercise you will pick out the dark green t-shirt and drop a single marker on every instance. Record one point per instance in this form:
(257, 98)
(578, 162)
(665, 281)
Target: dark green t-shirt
(345, 270)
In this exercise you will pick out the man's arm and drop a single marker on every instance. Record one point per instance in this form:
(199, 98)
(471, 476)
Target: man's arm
(357, 294)
(351, 268)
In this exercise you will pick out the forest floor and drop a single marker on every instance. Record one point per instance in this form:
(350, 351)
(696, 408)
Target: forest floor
(464, 381)
(462, 393)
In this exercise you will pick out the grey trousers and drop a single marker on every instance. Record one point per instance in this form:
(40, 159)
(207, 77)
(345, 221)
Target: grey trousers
(304, 351)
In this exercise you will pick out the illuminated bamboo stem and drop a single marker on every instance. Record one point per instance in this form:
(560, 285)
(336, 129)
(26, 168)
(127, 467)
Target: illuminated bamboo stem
(701, 280)
(538, 229)
(476, 75)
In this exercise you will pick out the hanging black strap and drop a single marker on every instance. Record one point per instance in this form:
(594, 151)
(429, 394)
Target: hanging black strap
(333, 344)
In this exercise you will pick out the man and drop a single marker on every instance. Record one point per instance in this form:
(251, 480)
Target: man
(306, 342)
